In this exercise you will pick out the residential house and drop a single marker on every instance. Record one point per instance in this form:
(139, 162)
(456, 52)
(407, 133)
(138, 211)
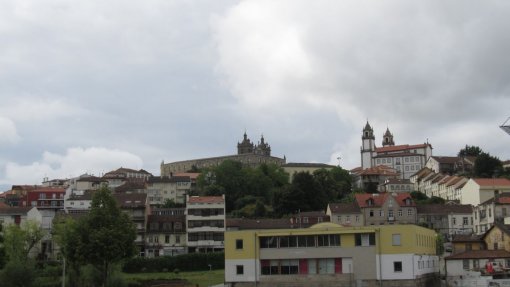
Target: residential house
(328, 254)
(163, 188)
(492, 210)
(478, 190)
(135, 205)
(45, 198)
(446, 219)
(166, 232)
(127, 174)
(205, 223)
(450, 164)
(370, 179)
(396, 185)
(467, 242)
(346, 214)
(387, 208)
(308, 218)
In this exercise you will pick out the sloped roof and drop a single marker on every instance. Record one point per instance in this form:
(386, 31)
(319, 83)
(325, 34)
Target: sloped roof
(467, 238)
(15, 210)
(380, 198)
(206, 199)
(191, 175)
(487, 182)
(480, 254)
(130, 186)
(503, 198)
(423, 172)
(400, 148)
(344, 208)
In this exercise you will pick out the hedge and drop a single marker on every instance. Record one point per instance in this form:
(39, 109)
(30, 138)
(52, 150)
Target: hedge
(184, 262)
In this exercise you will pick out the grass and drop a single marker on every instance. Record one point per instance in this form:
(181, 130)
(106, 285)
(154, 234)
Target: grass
(202, 278)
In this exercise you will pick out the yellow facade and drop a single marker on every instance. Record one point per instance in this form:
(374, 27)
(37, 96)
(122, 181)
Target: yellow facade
(412, 238)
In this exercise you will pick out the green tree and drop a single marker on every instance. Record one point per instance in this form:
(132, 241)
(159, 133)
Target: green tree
(487, 166)
(103, 237)
(20, 240)
(3, 258)
(470, 151)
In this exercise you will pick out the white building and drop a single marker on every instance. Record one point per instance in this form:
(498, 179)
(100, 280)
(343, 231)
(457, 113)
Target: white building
(205, 223)
(405, 159)
(478, 190)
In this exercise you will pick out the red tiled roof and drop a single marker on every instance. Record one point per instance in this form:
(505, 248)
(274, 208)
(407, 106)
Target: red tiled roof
(404, 147)
(206, 199)
(380, 198)
(492, 181)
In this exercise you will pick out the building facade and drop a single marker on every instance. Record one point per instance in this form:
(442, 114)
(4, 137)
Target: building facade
(331, 255)
(405, 159)
(205, 223)
(248, 154)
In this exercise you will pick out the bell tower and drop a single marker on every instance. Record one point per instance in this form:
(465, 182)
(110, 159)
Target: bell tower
(388, 138)
(367, 146)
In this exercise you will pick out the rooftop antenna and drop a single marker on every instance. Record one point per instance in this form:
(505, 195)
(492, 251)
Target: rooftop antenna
(506, 127)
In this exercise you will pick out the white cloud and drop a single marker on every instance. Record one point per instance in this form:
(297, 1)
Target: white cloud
(34, 109)
(8, 132)
(76, 161)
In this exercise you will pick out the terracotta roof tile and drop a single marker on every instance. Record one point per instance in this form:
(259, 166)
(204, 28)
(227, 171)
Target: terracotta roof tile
(405, 147)
(380, 198)
(206, 199)
(492, 181)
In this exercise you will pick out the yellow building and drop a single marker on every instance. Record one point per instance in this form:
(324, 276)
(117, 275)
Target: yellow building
(328, 254)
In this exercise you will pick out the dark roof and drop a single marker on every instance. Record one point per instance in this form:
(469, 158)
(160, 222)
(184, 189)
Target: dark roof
(480, 254)
(344, 208)
(305, 164)
(15, 210)
(447, 159)
(467, 238)
(206, 199)
(91, 178)
(243, 223)
(444, 209)
(164, 179)
(130, 186)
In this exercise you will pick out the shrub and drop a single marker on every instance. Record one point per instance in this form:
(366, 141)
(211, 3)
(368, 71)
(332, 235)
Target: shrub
(184, 262)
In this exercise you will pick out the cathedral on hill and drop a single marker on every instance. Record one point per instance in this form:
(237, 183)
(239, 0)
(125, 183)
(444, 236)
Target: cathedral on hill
(404, 159)
(248, 154)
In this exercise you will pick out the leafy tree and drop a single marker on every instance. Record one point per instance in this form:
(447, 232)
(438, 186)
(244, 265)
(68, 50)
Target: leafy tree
(487, 166)
(2, 248)
(18, 274)
(260, 210)
(20, 240)
(102, 238)
(470, 151)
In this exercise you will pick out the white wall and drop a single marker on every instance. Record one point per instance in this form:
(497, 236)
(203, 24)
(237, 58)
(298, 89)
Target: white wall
(249, 270)
(411, 267)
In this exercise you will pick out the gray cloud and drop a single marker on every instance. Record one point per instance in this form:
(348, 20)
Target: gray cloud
(171, 80)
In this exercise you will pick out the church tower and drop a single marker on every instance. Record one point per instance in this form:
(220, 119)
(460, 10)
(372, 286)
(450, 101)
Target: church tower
(388, 138)
(246, 146)
(367, 147)
(263, 148)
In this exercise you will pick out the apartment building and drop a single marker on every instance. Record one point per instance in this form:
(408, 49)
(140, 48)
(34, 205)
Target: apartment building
(328, 254)
(205, 223)
(166, 232)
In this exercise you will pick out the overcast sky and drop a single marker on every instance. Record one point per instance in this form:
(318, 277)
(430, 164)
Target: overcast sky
(90, 86)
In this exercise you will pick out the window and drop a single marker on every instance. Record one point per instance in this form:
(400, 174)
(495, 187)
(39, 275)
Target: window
(357, 218)
(465, 264)
(167, 238)
(177, 239)
(400, 212)
(390, 213)
(454, 221)
(371, 213)
(305, 219)
(364, 239)
(409, 212)
(381, 213)
(396, 239)
(397, 266)
(239, 269)
(239, 244)
(465, 221)
(490, 212)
